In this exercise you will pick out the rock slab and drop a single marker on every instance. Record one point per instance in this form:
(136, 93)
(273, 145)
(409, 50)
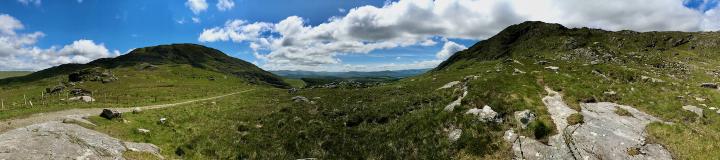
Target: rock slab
(56, 140)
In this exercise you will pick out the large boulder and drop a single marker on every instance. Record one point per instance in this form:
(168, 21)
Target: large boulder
(694, 109)
(486, 114)
(300, 99)
(86, 99)
(110, 114)
(56, 140)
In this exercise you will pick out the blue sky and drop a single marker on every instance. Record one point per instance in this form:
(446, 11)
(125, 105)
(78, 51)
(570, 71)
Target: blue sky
(321, 35)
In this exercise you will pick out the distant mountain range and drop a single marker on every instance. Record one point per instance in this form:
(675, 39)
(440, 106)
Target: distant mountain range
(351, 74)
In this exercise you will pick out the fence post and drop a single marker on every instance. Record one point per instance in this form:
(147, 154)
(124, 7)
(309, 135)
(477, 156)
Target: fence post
(24, 99)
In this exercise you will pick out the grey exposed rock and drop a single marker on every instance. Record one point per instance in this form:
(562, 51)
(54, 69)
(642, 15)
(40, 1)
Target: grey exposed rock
(552, 68)
(449, 85)
(651, 79)
(143, 131)
(82, 98)
(144, 147)
(694, 109)
(55, 140)
(524, 117)
(486, 114)
(454, 134)
(604, 135)
(136, 110)
(163, 120)
(300, 99)
(110, 114)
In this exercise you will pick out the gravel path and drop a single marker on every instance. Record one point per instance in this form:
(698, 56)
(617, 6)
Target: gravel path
(6, 125)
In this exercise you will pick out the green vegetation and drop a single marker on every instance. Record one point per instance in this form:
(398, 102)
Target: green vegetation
(8, 74)
(575, 118)
(622, 112)
(655, 72)
(295, 83)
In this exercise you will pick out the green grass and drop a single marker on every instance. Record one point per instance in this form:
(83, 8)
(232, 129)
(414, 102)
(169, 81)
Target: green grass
(169, 83)
(295, 83)
(7, 74)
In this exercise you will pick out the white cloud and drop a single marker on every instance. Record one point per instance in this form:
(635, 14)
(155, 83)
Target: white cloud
(8, 24)
(180, 21)
(197, 6)
(711, 21)
(448, 49)
(293, 43)
(27, 2)
(18, 50)
(224, 5)
(195, 20)
(342, 10)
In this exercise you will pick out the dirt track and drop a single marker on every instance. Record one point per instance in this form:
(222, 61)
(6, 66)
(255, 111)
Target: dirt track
(6, 125)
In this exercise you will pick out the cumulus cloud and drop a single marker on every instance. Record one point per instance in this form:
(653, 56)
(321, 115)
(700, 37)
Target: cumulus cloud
(18, 50)
(293, 43)
(197, 6)
(448, 49)
(195, 20)
(224, 5)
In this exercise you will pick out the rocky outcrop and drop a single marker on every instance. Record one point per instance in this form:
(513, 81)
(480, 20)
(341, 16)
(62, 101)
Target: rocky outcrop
(55, 140)
(603, 135)
(449, 85)
(486, 114)
(524, 118)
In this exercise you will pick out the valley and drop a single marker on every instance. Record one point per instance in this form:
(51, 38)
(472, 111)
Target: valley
(660, 87)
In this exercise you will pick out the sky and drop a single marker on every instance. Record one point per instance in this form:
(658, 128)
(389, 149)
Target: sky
(314, 35)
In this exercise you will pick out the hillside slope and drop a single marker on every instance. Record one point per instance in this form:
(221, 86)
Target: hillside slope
(192, 54)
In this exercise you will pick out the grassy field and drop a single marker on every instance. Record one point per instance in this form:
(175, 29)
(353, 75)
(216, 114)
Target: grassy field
(404, 119)
(6, 74)
(135, 87)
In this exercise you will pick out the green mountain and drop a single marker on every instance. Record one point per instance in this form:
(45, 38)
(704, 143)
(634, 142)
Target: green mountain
(191, 54)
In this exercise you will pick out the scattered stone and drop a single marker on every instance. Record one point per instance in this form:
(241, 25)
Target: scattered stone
(694, 109)
(454, 134)
(163, 120)
(110, 114)
(699, 99)
(143, 131)
(709, 85)
(542, 62)
(292, 90)
(610, 93)
(651, 79)
(449, 85)
(518, 71)
(486, 114)
(524, 118)
(136, 110)
(553, 68)
(300, 99)
(82, 98)
(450, 107)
